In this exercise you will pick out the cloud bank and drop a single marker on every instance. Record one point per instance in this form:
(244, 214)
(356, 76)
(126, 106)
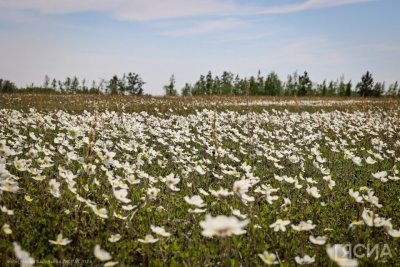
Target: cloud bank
(139, 10)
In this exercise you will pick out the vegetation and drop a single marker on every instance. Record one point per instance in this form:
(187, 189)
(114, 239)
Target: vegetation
(93, 180)
(227, 84)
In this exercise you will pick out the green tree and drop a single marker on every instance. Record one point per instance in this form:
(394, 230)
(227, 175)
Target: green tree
(237, 86)
(170, 89)
(186, 90)
(305, 84)
(342, 87)
(84, 87)
(67, 84)
(260, 83)
(272, 85)
(379, 89)
(366, 85)
(74, 84)
(217, 90)
(199, 87)
(134, 84)
(253, 86)
(112, 86)
(209, 83)
(227, 83)
(392, 90)
(348, 89)
(46, 82)
(322, 89)
(54, 84)
(94, 89)
(291, 84)
(7, 87)
(332, 88)
(61, 87)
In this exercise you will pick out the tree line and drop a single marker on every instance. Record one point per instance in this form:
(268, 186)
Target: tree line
(271, 85)
(127, 84)
(226, 84)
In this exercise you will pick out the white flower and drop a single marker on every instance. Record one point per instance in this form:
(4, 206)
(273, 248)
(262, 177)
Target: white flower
(121, 195)
(355, 223)
(5, 210)
(381, 176)
(294, 159)
(203, 192)
(9, 186)
(320, 159)
(100, 212)
(241, 187)
(108, 158)
(220, 193)
(119, 216)
(148, 239)
(370, 160)
(319, 240)
(331, 183)
(114, 238)
(368, 217)
(128, 207)
(357, 161)
(171, 181)
(111, 263)
(101, 254)
(304, 260)
(393, 233)
(341, 255)
(200, 170)
(73, 132)
(304, 226)
(286, 203)
(39, 177)
(54, 188)
(278, 166)
(196, 210)
(371, 198)
(195, 200)
(23, 256)
(67, 174)
(159, 231)
(20, 164)
(60, 240)
(268, 258)
(222, 226)
(238, 214)
(6, 229)
(152, 192)
(313, 191)
(280, 225)
(268, 194)
(356, 196)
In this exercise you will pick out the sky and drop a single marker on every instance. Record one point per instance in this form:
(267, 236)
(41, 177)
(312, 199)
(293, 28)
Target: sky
(95, 39)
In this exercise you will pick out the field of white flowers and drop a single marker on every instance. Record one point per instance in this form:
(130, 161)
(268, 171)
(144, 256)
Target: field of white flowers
(200, 185)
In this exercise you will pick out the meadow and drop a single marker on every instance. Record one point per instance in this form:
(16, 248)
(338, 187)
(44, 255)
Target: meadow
(92, 180)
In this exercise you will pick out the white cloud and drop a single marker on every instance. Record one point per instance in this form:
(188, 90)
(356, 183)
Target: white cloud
(207, 27)
(139, 10)
(243, 37)
(293, 8)
(167, 9)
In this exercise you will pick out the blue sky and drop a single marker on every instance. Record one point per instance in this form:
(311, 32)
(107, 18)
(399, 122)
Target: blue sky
(95, 39)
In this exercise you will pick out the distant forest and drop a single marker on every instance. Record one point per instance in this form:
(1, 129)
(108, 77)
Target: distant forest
(226, 84)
